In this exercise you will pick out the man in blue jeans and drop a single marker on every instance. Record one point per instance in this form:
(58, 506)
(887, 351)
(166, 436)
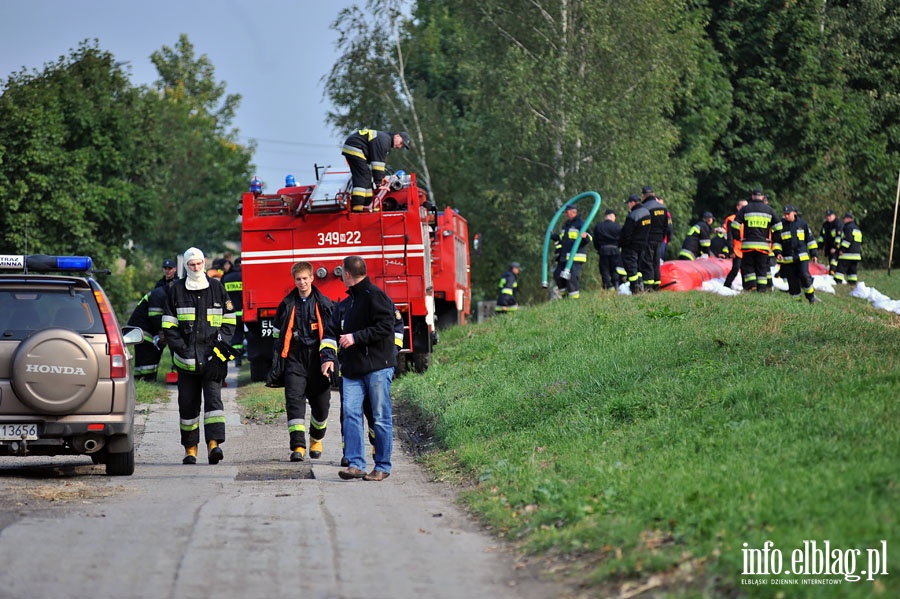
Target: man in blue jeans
(362, 326)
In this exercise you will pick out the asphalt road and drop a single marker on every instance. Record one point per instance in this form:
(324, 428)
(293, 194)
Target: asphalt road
(255, 525)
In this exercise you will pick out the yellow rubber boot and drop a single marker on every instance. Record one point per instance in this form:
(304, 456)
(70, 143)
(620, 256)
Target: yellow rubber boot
(315, 449)
(215, 452)
(190, 455)
(298, 453)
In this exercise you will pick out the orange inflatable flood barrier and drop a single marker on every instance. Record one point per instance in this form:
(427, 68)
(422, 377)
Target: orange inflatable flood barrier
(685, 275)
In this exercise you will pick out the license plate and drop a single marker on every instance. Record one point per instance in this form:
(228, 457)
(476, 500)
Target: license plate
(16, 432)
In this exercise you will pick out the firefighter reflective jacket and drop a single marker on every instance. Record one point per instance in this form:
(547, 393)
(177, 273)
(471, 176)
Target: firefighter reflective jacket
(507, 301)
(851, 242)
(370, 316)
(303, 329)
(734, 237)
(571, 232)
(660, 220)
(795, 242)
(635, 234)
(760, 222)
(697, 241)
(372, 146)
(194, 321)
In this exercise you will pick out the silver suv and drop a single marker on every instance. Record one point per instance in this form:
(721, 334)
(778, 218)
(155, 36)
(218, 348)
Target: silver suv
(66, 383)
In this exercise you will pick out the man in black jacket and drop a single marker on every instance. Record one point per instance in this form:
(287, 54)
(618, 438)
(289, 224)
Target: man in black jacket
(365, 151)
(606, 242)
(198, 321)
(365, 335)
(794, 244)
(634, 240)
(298, 330)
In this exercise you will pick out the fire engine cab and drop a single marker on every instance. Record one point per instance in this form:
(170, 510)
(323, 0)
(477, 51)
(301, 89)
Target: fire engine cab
(419, 256)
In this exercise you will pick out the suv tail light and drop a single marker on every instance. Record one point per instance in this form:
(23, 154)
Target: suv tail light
(118, 361)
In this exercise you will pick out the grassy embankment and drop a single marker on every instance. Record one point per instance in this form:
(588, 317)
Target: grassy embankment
(647, 439)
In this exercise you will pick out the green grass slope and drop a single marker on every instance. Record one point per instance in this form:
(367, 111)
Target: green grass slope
(645, 440)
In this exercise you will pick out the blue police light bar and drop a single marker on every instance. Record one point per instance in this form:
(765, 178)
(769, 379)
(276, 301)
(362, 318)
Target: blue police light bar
(44, 263)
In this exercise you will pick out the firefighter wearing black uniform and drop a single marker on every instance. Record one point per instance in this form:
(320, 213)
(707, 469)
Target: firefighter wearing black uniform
(233, 282)
(571, 233)
(698, 239)
(633, 240)
(198, 322)
(606, 242)
(660, 230)
(754, 225)
(298, 328)
(849, 252)
(509, 283)
(794, 245)
(829, 239)
(148, 316)
(719, 245)
(366, 151)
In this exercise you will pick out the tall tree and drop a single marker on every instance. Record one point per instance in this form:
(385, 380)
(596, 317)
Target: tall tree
(67, 151)
(200, 168)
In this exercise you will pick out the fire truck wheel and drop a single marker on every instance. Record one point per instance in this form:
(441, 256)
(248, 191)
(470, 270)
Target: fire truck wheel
(417, 362)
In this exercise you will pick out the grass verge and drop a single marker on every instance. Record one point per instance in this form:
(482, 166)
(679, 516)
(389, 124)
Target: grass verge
(649, 441)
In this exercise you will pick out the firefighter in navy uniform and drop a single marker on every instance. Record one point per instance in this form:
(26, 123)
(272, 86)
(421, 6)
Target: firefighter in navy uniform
(509, 283)
(299, 324)
(698, 239)
(634, 240)
(198, 322)
(829, 239)
(606, 242)
(849, 252)
(148, 316)
(718, 244)
(660, 230)
(571, 231)
(754, 225)
(794, 245)
(233, 282)
(366, 151)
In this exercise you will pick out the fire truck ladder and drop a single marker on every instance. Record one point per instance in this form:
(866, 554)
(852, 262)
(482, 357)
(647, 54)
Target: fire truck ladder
(396, 280)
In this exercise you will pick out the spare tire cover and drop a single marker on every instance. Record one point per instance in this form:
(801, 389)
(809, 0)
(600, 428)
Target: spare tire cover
(54, 371)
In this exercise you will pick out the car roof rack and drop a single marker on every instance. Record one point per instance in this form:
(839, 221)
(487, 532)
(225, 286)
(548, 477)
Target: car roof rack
(45, 263)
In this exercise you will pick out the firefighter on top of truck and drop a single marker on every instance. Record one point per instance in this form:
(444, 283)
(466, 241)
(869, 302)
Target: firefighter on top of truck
(365, 151)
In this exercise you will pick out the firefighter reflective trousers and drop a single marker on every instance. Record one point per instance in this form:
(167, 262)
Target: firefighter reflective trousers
(195, 390)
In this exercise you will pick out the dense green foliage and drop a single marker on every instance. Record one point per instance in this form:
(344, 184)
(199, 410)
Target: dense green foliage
(516, 107)
(644, 440)
(92, 165)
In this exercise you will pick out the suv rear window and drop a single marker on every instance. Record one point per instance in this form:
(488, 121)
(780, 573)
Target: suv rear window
(27, 310)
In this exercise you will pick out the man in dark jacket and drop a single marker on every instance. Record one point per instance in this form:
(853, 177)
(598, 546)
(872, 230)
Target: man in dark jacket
(298, 329)
(849, 252)
(569, 282)
(698, 239)
(365, 336)
(794, 245)
(198, 322)
(660, 231)
(148, 316)
(634, 240)
(606, 242)
(365, 151)
(829, 239)
(233, 282)
(754, 226)
(509, 283)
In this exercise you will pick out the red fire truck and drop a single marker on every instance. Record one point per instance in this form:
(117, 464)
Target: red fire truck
(419, 256)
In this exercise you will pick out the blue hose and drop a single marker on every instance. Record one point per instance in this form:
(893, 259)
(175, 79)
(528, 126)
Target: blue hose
(552, 227)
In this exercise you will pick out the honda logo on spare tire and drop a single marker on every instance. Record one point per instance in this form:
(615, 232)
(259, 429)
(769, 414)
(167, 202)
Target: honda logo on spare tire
(54, 369)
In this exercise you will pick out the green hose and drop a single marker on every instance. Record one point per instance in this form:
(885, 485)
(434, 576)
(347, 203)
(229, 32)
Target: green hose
(552, 227)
